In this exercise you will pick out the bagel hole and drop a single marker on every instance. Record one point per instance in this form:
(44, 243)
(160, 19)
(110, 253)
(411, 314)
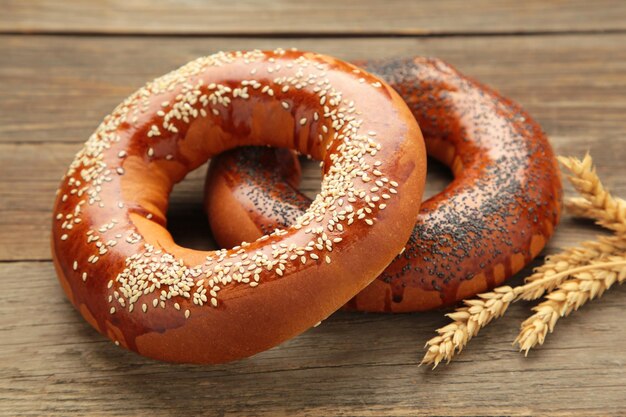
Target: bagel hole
(311, 182)
(186, 219)
(437, 179)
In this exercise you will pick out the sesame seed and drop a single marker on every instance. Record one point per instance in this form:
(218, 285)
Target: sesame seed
(154, 271)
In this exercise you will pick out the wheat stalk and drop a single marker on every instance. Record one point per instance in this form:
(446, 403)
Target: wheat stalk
(569, 296)
(595, 202)
(467, 322)
(571, 277)
(573, 257)
(480, 311)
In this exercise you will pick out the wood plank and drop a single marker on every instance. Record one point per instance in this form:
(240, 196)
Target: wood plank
(55, 91)
(310, 17)
(574, 85)
(53, 363)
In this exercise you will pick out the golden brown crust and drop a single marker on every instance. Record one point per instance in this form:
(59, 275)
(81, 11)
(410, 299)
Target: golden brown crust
(118, 263)
(495, 216)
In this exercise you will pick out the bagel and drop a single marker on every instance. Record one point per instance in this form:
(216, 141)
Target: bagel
(120, 267)
(494, 217)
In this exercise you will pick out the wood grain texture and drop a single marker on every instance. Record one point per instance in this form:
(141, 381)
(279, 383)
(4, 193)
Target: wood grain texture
(574, 85)
(53, 363)
(310, 17)
(54, 90)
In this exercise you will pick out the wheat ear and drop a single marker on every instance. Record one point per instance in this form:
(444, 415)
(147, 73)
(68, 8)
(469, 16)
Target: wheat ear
(572, 293)
(571, 277)
(480, 311)
(595, 202)
(573, 257)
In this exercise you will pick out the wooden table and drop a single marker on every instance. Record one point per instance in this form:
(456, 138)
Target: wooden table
(65, 64)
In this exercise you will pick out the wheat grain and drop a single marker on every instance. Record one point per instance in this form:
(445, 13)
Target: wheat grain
(596, 202)
(480, 311)
(569, 296)
(570, 258)
(467, 322)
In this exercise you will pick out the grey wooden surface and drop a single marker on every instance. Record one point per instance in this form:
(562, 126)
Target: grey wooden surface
(311, 17)
(61, 71)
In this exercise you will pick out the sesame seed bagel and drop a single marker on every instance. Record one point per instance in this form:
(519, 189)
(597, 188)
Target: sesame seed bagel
(122, 270)
(493, 219)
